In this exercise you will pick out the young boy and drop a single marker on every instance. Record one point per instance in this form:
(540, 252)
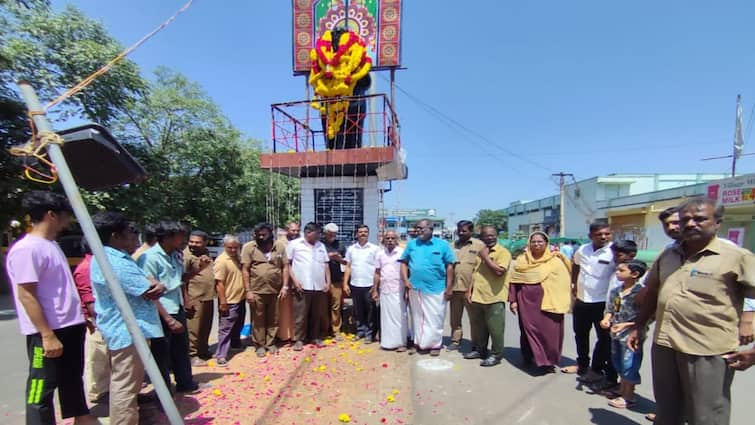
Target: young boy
(623, 251)
(621, 312)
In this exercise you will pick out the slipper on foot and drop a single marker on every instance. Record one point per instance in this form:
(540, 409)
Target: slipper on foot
(621, 403)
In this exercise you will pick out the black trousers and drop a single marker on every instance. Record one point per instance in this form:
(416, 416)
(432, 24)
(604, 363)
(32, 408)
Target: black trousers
(171, 352)
(585, 316)
(309, 308)
(64, 373)
(366, 313)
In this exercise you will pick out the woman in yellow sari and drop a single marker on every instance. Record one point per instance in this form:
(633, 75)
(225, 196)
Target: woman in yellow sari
(540, 294)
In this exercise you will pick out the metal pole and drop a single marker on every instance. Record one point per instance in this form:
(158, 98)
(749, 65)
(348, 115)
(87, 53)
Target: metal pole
(87, 226)
(734, 147)
(307, 118)
(562, 192)
(346, 9)
(734, 165)
(393, 89)
(561, 218)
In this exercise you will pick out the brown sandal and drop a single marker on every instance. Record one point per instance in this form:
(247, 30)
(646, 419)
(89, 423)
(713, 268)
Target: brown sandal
(570, 369)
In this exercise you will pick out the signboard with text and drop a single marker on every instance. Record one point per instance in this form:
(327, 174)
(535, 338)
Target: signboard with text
(733, 191)
(344, 207)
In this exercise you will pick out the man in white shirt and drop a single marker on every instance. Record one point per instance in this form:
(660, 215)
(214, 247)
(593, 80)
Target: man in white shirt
(360, 268)
(592, 269)
(310, 281)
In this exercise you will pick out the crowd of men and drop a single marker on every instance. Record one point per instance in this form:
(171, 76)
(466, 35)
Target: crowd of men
(294, 288)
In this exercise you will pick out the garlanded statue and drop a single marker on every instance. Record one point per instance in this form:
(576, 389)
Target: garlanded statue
(340, 68)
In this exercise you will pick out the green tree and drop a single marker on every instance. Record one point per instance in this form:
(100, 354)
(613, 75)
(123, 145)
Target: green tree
(497, 218)
(201, 169)
(53, 51)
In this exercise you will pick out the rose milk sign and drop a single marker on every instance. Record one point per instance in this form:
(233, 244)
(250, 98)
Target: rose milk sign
(733, 191)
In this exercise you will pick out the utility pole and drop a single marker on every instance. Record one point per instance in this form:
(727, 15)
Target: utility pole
(739, 140)
(562, 190)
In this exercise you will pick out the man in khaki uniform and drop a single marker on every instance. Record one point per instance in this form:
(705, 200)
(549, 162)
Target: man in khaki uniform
(265, 271)
(201, 289)
(229, 281)
(487, 296)
(466, 249)
(696, 290)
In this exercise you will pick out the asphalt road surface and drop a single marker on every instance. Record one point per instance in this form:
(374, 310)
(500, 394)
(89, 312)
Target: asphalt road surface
(446, 390)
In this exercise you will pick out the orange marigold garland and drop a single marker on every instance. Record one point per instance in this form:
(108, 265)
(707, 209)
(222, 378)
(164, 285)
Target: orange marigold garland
(334, 74)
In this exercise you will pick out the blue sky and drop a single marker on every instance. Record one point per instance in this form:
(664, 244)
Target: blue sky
(589, 87)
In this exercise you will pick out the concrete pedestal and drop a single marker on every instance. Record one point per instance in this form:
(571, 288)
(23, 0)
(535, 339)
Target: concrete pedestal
(346, 201)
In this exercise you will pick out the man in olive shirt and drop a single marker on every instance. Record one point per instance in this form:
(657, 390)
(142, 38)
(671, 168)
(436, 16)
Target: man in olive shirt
(487, 295)
(466, 249)
(265, 271)
(201, 289)
(696, 289)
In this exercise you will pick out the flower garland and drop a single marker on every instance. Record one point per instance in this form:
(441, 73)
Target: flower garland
(335, 74)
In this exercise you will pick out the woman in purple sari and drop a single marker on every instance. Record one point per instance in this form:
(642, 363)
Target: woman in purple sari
(540, 294)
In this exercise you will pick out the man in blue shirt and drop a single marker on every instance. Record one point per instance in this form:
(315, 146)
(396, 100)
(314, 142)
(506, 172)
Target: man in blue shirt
(427, 270)
(163, 263)
(567, 249)
(119, 237)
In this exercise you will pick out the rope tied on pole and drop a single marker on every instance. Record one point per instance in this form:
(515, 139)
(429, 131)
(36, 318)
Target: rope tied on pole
(36, 147)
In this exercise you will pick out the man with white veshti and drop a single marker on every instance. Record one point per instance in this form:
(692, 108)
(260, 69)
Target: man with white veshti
(388, 289)
(430, 263)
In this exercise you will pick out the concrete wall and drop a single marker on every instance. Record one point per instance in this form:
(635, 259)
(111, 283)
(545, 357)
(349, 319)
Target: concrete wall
(516, 221)
(580, 207)
(371, 195)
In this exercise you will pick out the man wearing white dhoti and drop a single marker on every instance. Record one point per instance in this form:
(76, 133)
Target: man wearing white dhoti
(388, 289)
(427, 270)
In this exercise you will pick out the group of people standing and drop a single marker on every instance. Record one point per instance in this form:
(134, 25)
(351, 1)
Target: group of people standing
(699, 293)
(294, 287)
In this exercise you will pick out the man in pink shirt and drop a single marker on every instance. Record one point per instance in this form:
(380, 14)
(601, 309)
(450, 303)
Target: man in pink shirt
(49, 313)
(389, 290)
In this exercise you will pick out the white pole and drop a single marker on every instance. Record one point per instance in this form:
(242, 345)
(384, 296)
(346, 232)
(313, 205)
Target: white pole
(87, 226)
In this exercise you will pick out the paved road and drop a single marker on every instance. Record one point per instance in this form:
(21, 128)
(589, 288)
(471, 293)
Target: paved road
(463, 394)
(507, 394)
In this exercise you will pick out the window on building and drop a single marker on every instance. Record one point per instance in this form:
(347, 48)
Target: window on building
(611, 191)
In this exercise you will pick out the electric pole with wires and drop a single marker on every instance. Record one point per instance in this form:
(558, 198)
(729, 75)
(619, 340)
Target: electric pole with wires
(561, 185)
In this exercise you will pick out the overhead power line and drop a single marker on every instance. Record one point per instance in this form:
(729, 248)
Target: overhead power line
(452, 122)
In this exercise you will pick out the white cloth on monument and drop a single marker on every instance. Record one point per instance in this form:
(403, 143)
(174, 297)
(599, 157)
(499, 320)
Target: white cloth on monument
(393, 323)
(428, 316)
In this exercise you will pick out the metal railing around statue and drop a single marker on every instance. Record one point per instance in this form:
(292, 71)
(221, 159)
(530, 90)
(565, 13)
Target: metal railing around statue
(369, 121)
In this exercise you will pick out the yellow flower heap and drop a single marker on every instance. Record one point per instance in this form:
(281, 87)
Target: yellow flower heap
(335, 73)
